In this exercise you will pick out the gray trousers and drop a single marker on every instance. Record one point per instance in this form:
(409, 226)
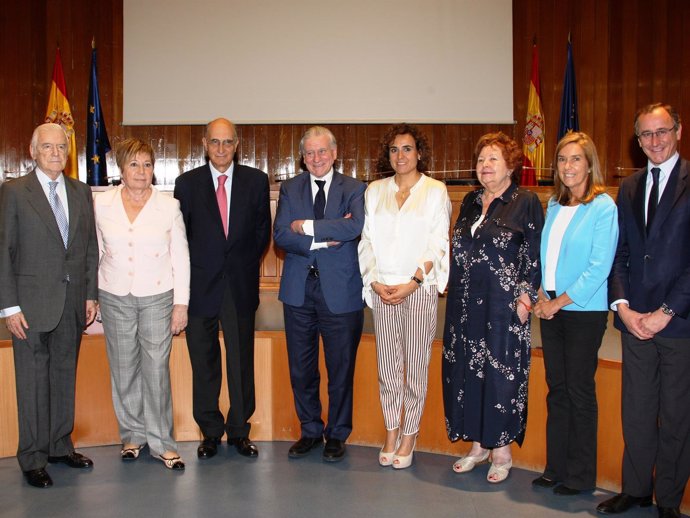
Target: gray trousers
(45, 366)
(138, 341)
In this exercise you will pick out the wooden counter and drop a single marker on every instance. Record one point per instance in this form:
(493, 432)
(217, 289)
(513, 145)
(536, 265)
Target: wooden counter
(275, 418)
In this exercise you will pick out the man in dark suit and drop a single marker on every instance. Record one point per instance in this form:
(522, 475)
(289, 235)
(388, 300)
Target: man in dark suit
(319, 219)
(649, 288)
(228, 219)
(48, 289)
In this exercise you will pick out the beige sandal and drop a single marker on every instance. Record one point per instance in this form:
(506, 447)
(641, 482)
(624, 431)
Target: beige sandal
(468, 462)
(498, 474)
(174, 463)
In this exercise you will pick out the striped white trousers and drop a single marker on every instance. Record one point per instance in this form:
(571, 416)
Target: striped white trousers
(403, 348)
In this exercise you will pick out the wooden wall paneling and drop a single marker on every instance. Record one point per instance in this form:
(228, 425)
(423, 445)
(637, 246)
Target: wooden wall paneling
(600, 115)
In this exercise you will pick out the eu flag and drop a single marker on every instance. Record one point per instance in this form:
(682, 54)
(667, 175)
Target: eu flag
(97, 143)
(569, 120)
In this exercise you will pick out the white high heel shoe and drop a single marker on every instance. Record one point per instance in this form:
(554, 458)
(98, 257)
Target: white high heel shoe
(404, 461)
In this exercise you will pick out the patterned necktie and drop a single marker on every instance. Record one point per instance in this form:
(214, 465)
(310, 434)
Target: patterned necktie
(222, 198)
(653, 198)
(59, 212)
(320, 200)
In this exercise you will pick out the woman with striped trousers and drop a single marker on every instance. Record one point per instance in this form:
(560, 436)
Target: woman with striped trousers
(403, 258)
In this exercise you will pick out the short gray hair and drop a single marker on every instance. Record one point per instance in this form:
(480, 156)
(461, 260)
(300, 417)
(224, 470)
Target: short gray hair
(34, 136)
(317, 131)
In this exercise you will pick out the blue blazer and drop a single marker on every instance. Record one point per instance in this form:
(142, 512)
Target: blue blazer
(341, 281)
(586, 254)
(653, 269)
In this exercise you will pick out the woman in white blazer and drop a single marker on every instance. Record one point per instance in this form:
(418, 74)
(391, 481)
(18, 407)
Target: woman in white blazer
(143, 280)
(577, 248)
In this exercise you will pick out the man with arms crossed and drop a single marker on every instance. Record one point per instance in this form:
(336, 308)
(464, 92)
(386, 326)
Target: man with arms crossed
(319, 219)
(649, 287)
(48, 289)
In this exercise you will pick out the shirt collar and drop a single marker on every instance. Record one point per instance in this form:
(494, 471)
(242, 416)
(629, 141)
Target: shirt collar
(45, 179)
(216, 173)
(328, 177)
(665, 167)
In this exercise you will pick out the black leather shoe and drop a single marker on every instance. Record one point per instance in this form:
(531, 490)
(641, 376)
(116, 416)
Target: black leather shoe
(564, 490)
(669, 512)
(208, 447)
(304, 446)
(73, 460)
(622, 502)
(38, 478)
(544, 482)
(244, 446)
(334, 450)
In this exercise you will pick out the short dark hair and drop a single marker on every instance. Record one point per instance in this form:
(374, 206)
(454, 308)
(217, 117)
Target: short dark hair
(654, 106)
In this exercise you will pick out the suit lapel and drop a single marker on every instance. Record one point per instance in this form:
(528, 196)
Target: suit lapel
(238, 203)
(335, 194)
(638, 203)
(208, 195)
(74, 208)
(39, 201)
(306, 196)
(672, 192)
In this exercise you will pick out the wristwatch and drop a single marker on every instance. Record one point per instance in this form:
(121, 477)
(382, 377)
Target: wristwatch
(667, 311)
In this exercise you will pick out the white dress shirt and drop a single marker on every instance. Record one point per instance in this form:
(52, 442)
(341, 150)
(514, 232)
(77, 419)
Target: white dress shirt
(308, 225)
(215, 173)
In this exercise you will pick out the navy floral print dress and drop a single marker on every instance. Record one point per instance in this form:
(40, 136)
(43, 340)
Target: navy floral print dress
(486, 349)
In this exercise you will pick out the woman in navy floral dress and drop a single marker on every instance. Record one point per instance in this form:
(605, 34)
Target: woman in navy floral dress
(494, 277)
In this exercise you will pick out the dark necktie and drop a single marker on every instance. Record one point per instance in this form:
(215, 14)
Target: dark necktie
(653, 197)
(320, 200)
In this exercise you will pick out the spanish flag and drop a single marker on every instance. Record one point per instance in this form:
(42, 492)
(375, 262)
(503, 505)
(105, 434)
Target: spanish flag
(60, 113)
(533, 140)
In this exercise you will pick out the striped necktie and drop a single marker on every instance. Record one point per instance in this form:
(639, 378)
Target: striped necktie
(59, 212)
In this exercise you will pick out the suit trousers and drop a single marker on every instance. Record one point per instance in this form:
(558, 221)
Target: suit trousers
(45, 366)
(138, 342)
(656, 417)
(340, 334)
(404, 333)
(570, 342)
(207, 376)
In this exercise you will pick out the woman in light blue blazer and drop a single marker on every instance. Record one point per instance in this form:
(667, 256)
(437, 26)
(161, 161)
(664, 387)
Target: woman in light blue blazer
(577, 249)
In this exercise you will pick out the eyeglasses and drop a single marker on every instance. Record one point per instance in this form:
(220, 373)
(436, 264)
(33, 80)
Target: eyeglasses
(311, 155)
(660, 133)
(214, 142)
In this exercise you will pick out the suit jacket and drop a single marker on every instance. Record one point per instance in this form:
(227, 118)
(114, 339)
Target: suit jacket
(214, 258)
(338, 266)
(586, 252)
(34, 264)
(146, 257)
(652, 269)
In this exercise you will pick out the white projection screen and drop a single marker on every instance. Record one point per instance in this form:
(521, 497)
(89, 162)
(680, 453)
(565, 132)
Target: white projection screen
(326, 61)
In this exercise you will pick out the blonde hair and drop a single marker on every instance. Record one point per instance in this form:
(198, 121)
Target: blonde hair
(595, 179)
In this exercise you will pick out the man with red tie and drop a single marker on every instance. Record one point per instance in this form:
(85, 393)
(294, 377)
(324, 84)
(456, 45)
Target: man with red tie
(227, 215)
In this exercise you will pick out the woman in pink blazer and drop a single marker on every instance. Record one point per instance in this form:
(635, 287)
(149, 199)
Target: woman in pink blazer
(143, 280)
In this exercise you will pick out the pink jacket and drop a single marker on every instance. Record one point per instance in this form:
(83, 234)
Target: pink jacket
(146, 257)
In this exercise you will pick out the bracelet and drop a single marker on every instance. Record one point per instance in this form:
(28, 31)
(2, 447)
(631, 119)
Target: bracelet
(529, 308)
(415, 279)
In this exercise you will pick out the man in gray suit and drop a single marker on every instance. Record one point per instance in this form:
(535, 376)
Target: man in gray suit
(48, 287)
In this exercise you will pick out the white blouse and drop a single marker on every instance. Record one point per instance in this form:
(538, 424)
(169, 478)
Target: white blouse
(553, 250)
(395, 242)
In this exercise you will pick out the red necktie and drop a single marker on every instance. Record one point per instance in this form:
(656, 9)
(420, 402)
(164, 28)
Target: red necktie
(222, 198)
